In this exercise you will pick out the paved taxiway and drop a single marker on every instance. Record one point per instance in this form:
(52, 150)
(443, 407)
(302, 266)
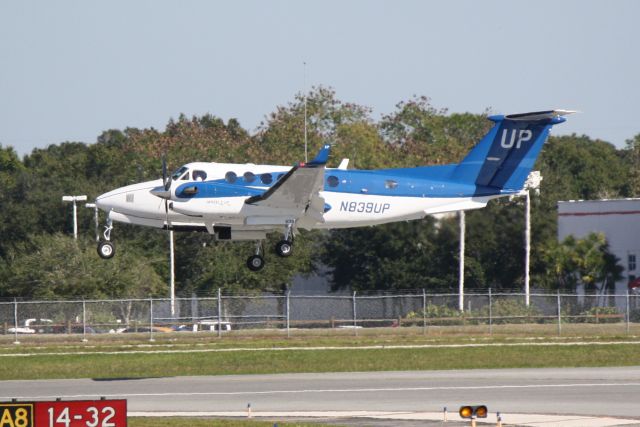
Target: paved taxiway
(576, 391)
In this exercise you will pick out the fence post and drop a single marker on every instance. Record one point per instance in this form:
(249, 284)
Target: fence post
(84, 321)
(15, 321)
(288, 312)
(490, 314)
(424, 312)
(559, 315)
(151, 320)
(628, 311)
(219, 313)
(355, 315)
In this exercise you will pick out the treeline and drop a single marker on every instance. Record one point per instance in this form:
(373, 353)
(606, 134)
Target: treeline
(40, 259)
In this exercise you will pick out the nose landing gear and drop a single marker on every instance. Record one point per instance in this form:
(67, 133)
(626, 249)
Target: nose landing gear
(106, 248)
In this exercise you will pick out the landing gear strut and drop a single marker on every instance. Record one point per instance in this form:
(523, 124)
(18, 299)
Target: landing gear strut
(256, 262)
(106, 248)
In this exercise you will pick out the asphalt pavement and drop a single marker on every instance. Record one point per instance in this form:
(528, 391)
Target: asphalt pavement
(567, 397)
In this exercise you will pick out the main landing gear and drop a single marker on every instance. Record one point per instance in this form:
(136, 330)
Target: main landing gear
(106, 248)
(256, 262)
(284, 249)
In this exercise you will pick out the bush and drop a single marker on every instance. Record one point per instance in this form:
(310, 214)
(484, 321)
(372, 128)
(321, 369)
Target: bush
(610, 315)
(438, 315)
(510, 311)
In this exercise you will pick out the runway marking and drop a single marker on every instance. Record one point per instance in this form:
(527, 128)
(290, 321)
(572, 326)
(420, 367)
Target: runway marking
(367, 347)
(346, 390)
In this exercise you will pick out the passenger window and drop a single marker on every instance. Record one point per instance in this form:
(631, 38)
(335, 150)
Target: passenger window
(230, 177)
(390, 184)
(333, 181)
(266, 178)
(199, 176)
(249, 177)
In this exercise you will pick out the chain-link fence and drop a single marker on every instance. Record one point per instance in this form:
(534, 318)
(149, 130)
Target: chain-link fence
(421, 312)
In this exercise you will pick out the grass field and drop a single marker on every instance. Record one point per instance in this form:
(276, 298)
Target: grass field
(178, 355)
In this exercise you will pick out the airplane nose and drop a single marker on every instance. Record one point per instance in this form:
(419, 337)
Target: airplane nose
(103, 201)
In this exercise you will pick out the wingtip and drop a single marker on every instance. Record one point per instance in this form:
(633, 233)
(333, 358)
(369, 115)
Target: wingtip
(561, 112)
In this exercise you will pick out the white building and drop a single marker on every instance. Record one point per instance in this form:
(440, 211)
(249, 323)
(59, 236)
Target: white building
(618, 219)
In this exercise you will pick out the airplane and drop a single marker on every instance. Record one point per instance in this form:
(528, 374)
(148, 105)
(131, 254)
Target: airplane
(247, 201)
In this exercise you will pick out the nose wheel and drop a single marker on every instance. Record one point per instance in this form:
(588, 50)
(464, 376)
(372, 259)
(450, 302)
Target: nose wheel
(106, 249)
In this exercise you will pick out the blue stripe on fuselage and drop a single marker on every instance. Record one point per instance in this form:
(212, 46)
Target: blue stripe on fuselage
(428, 181)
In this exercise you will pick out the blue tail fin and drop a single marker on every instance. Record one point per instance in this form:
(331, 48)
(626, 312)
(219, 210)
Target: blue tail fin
(505, 156)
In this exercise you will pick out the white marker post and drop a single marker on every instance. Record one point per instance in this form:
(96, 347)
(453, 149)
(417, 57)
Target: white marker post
(74, 199)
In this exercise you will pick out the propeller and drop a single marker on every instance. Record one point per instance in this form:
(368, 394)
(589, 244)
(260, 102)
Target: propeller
(166, 182)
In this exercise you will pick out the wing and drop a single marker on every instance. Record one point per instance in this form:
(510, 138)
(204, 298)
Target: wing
(299, 189)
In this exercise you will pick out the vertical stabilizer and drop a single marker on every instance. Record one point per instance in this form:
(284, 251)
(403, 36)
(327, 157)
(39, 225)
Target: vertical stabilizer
(506, 155)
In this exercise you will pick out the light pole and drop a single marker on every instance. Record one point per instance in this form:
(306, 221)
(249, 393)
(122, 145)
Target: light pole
(95, 218)
(532, 183)
(172, 273)
(74, 199)
(461, 266)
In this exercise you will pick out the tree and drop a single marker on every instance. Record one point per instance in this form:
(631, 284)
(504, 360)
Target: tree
(421, 133)
(281, 137)
(632, 157)
(587, 261)
(57, 266)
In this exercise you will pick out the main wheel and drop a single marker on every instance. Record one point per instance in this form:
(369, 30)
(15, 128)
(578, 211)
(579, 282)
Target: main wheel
(106, 249)
(284, 248)
(255, 263)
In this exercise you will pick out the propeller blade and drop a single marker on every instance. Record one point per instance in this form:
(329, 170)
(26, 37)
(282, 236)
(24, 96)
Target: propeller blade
(166, 180)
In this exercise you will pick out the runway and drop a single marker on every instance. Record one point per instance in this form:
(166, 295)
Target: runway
(600, 392)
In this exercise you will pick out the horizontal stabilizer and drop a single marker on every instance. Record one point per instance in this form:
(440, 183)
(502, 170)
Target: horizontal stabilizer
(539, 115)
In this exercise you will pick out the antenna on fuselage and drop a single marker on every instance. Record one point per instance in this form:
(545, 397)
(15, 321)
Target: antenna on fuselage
(304, 84)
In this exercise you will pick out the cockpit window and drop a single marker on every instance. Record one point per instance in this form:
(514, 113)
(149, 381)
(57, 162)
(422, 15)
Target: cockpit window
(199, 175)
(230, 177)
(249, 177)
(177, 174)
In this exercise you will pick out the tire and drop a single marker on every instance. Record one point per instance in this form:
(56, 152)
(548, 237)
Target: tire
(255, 263)
(284, 248)
(106, 249)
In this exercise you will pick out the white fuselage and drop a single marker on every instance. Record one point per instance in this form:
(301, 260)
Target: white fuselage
(134, 204)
